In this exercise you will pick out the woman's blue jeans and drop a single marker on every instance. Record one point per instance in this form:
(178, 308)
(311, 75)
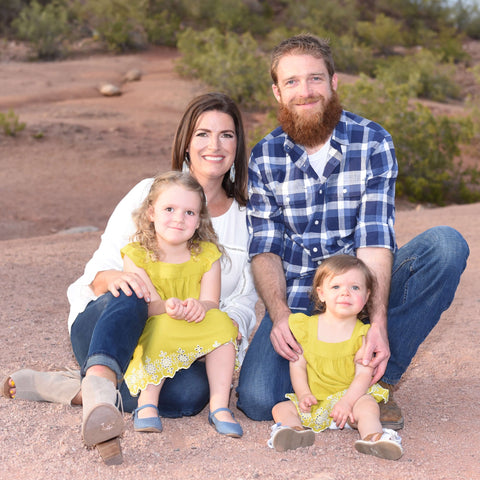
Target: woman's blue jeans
(107, 332)
(425, 275)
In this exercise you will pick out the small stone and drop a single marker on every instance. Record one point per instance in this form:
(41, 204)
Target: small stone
(109, 90)
(133, 75)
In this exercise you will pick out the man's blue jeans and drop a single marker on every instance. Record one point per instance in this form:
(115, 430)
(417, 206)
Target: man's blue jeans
(425, 275)
(107, 332)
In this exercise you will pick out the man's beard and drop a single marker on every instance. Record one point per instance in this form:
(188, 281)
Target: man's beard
(313, 129)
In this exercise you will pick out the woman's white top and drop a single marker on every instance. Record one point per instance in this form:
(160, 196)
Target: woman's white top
(238, 296)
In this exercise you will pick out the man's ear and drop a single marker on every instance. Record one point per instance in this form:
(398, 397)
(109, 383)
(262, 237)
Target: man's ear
(276, 92)
(334, 82)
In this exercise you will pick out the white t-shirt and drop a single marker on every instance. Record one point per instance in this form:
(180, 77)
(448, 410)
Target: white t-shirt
(238, 296)
(318, 160)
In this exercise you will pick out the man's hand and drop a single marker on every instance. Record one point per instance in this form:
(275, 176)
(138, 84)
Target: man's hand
(377, 352)
(283, 341)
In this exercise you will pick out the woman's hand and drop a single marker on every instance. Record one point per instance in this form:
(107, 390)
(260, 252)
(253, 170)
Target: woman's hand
(127, 282)
(239, 336)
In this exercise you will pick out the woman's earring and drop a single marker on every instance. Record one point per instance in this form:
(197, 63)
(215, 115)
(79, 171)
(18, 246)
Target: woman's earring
(232, 173)
(185, 165)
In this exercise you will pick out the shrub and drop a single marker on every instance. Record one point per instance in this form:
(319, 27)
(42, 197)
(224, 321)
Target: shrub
(352, 57)
(46, 28)
(162, 27)
(10, 10)
(427, 147)
(237, 16)
(119, 23)
(336, 16)
(10, 123)
(382, 35)
(424, 73)
(227, 62)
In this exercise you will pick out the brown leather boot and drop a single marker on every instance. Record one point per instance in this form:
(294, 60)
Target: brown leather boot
(390, 413)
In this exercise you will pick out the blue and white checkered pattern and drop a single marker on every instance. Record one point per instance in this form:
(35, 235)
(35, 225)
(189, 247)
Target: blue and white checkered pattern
(304, 218)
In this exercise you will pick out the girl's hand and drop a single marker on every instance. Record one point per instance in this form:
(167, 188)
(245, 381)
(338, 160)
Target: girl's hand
(194, 310)
(174, 307)
(341, 412)
(306, 401)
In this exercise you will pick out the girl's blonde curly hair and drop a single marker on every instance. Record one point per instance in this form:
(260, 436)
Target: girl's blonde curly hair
(338, 265)
(145, 234)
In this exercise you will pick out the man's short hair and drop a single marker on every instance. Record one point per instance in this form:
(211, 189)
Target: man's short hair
(303, 44)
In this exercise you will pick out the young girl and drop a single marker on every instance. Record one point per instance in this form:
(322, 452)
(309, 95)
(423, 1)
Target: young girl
(332, 388)
(177, 254)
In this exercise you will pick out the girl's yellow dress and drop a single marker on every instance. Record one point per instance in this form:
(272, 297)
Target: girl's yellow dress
(166, 344)
(330, 369)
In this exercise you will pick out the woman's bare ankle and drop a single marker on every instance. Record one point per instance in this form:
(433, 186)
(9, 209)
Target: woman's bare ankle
(102, 371)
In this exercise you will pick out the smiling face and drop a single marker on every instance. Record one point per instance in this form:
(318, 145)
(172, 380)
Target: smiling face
(303, 84)
(213, 146)
(175, 214)
(309, 106)
(345, 294)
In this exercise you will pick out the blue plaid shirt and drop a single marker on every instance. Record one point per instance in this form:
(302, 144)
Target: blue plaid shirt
(304, 218)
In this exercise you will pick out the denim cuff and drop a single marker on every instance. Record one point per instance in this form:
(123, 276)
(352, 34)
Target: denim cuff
(102, 359)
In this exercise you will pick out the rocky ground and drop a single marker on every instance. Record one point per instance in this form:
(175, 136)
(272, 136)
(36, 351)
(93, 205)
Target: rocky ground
(60, 179)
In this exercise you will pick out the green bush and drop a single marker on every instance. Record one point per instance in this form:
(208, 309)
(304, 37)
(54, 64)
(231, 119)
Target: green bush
(382, 35)
(119, 23)
(162, 27)
(228, 62)
(352, 57)
(10, 10)
(448, 45)
(336, 16)
(427, 146)
(467, 18)
(46, 28)
(10, 124)
(424, 74)
(238, 16)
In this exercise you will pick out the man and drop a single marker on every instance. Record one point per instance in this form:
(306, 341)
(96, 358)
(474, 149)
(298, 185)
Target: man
(321, 184)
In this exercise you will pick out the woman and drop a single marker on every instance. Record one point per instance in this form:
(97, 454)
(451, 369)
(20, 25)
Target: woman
(109, 307)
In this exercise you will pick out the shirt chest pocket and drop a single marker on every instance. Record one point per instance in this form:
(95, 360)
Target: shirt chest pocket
(343, 193)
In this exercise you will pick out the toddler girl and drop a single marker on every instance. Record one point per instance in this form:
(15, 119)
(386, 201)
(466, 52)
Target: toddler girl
(332, 387)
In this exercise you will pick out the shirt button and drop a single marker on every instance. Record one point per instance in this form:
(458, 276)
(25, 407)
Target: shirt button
(344, 190)
(315, 249)
(316, 222)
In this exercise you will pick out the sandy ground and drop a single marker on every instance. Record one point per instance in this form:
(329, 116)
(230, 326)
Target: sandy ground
(56, 195)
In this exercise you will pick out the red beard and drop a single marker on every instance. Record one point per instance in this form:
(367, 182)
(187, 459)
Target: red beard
(314, 129)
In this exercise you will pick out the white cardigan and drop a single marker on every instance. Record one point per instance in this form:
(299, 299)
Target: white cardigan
(238, 296)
